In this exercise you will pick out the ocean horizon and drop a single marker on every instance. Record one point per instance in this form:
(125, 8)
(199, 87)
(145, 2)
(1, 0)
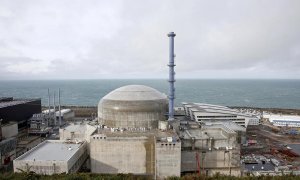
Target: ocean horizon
(265, 93)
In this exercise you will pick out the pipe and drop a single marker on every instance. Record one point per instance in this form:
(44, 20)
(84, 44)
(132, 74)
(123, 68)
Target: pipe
(171, 65)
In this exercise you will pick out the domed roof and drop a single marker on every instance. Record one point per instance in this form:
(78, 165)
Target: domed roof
(134, 93)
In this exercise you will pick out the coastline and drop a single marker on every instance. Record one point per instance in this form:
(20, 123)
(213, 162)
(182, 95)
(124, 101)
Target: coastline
(89, 111)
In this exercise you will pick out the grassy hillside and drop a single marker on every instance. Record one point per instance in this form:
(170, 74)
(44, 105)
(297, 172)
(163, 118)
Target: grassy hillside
(91, 176)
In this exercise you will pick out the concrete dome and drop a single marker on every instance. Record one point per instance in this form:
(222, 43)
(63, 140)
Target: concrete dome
(132, 106)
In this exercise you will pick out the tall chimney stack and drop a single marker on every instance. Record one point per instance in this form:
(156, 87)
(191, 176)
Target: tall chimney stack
(171, 65)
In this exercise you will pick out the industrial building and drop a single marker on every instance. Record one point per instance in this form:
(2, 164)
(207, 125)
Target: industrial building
(132, 106)
(208, 112)
(133, 143)
(18, 110)
(129, 141)
(14, 116)
(139, 133)
(283, 120)
(7, 151)
(209, 149)
(66, 115)
(52, 157)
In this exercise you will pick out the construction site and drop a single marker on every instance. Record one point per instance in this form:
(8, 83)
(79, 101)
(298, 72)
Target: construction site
(271, 149)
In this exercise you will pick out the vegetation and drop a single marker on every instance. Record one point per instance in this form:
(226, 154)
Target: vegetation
(91, 176)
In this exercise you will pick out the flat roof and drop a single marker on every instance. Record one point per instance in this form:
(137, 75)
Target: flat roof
(82, 128)
(14, 102)
(211, 108)
(276, 117)
(135, 133)
(51, 151)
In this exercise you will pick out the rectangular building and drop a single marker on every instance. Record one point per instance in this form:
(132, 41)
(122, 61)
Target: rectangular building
(209, 150)
(283, 120)
(52, 157)
(200, 112)
(18, 110)
(137, 152)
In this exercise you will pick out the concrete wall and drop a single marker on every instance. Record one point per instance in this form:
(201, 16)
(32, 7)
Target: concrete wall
(53, 166)
(83, 135)
(131, 114)
(211, 162)
(41, 167)
(29, 142)
(122, 155)
(168, 159)
(9, 130)
(76, 161)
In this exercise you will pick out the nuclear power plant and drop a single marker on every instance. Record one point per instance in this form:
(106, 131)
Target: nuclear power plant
(138, 131)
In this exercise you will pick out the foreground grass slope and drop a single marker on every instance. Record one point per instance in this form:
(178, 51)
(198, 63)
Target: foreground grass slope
(91, 176)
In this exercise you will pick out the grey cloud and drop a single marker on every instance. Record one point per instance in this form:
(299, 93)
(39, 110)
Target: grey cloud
(114, 39)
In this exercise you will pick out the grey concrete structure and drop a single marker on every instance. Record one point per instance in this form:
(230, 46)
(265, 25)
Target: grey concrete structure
(137, 152)
(215, 148)
(9, 130)
(81, 132)
(167, 156)
(133, 106)
(51, 157)
(7, 151)
(77, 132)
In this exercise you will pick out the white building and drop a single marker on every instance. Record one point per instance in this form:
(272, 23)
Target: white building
(200, 112)
(283, 120)
(66, 115)
(52, 157)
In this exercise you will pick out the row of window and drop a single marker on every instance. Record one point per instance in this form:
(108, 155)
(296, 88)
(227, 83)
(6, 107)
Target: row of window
(168, 144)
(99, 137)
(216, 116)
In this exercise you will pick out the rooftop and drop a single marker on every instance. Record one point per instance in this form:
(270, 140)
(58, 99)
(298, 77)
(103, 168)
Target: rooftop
(136, 133)
(82, 128)
(211, 108)
(12, 102)
(135, 93)
(51, 151)
(227, 124)
(279, 117)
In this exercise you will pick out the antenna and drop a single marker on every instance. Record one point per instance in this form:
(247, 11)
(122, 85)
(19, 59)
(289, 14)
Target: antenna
(59, 107)
(171, 65)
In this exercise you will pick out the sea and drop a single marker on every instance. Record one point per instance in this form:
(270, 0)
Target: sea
(242, 93)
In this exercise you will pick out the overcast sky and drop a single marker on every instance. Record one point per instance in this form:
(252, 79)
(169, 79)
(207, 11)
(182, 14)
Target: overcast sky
(95, 39)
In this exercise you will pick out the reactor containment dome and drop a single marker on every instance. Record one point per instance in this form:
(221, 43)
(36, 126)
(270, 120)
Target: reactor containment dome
(133, 106)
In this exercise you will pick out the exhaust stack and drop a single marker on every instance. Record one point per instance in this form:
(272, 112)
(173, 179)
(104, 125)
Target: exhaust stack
(171, 65)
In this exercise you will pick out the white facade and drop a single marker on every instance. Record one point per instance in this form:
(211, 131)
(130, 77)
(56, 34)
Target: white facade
(66, 114)
(283, 120)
